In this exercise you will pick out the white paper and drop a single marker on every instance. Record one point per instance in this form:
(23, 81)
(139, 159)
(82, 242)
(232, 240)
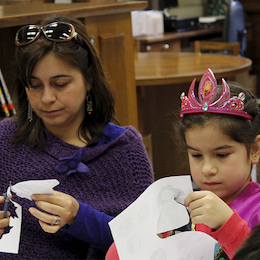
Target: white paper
(26, 189)
(9, 242)
(148, 22)
(158, 209)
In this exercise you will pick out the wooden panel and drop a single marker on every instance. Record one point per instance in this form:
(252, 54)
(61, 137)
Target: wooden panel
(7, 57)
(147, 140)
(176, 41)
(252, 17)
(233, 48)
(112, 53)
(113, 38)
(20, 14)
(162, 46)
(159, 108)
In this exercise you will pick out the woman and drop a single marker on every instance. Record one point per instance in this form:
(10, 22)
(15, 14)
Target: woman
(63, 131)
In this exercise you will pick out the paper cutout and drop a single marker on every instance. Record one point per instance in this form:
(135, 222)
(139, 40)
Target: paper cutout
(26, 189)
(173, 214)
(9, 242)
(160, 208)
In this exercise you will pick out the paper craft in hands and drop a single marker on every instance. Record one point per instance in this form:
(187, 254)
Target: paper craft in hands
(173, 213)
(26, 189)
(9, 242)
(158, 209)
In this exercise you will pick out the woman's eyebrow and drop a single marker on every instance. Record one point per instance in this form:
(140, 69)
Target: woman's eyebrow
(61, 76)
(55, 77)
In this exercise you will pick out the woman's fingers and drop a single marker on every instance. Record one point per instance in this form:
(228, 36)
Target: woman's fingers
(64, 206)
(49, 228)
(49, 223)
(4, 222)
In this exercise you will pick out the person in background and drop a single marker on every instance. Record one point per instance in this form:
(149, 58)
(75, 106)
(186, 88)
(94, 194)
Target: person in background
(65, 129)
(220, 129)
(250, 249)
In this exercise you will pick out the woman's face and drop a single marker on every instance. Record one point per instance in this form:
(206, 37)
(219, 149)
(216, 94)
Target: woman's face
(217, 162)
(57, 93)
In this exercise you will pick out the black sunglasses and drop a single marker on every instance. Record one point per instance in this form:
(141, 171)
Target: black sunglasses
(56, 32)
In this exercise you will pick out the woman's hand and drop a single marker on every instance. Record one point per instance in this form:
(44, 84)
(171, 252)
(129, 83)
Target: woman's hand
(207, 208)
(60, 206)
(4, 222)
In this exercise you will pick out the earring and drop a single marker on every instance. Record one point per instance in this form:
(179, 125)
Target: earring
(89, 104)
(30, 112)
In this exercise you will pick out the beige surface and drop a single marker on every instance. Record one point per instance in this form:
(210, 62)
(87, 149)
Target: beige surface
(160, 68)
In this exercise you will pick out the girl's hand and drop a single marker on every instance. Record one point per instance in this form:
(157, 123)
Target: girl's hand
(4, 222)
(59, 205)
(207, 208)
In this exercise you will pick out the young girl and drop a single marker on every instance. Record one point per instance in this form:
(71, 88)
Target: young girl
(222, 135)
(222, 139)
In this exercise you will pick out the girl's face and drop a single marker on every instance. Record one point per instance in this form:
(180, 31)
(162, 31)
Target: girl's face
(57, 93)
(217, 162)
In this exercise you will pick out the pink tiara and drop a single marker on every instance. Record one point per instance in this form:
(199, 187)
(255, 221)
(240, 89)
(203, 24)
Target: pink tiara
(207, 92)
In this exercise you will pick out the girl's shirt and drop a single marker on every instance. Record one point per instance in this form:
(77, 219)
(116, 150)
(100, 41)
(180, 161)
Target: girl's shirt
(246, 215)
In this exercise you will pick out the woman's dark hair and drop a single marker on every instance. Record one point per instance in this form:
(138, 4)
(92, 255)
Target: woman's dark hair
(238, 128)
(78, 53)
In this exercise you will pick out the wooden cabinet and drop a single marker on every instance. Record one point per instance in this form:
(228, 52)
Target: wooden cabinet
(175, 41)
(161, 46)
(110, 26)
(113, 37)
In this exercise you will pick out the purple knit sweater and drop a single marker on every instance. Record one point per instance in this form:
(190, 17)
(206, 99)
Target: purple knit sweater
(119, 172)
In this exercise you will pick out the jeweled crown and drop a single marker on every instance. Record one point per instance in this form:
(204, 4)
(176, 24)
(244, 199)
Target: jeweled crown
(207, 92)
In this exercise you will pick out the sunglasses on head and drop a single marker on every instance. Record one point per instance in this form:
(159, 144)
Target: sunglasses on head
(56, 32)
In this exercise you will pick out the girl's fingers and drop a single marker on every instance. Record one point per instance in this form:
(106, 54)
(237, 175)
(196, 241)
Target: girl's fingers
(194, 196)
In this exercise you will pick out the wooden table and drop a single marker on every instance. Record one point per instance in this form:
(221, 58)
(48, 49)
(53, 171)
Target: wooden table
(158, 68)
(175, 41)
(160, 79)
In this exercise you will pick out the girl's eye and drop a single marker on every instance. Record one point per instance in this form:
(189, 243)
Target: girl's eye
(222, 155)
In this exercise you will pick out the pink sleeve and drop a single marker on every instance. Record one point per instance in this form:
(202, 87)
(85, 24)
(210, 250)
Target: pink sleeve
(112, 253)
(232, 234)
